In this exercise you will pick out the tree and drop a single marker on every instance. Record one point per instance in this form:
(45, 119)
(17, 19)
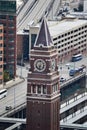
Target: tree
(6, 76)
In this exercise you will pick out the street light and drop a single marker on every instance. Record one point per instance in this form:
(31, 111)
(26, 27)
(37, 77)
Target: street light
(74, 65)
(14, 97)
(61, 67)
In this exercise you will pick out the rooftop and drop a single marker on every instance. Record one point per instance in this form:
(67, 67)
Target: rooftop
(44, 37)
(59, 27)
(65, 26)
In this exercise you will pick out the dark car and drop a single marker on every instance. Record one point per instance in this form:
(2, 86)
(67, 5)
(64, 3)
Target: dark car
(62, 79)
(8, 107)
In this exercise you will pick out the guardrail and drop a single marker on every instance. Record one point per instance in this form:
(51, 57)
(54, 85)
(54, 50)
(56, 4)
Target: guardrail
(14, 110)
(72, 79)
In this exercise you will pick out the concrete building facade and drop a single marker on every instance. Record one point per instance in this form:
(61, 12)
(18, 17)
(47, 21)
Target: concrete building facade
(85, 5)
(68, 35)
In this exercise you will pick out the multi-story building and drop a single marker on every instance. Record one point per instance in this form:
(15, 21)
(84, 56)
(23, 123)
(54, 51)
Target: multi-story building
(22, 46)
(8, 19)
(69, 36)
(43, 94)
(1, 53)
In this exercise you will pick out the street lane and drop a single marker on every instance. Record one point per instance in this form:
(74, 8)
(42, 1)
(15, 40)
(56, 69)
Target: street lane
(16, 95)
(63, 68)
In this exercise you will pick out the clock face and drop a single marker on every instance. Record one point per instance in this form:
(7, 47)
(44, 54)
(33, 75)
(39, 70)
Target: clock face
(39, 65)
(53, 64)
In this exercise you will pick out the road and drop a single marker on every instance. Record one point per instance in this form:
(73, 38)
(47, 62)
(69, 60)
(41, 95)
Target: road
(34, 10)
(22, 71)
(64, 71)
(16, 95)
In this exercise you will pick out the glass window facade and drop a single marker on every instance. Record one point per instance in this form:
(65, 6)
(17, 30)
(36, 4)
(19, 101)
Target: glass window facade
(9, 6)
(8, 19)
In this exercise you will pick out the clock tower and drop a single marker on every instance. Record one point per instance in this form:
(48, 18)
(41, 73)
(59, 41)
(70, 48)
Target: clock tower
(43, 94)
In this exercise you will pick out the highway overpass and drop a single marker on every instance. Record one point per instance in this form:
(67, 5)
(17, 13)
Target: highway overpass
(34, 10)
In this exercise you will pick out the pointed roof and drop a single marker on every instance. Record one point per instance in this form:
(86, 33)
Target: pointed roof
(44, 37)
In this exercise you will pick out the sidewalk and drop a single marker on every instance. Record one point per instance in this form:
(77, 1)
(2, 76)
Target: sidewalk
(11, 83)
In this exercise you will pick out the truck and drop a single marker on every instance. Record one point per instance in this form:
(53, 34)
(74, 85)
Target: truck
(76, 71)
(72, 72)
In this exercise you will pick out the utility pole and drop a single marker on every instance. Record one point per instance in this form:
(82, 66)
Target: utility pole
(21, 66)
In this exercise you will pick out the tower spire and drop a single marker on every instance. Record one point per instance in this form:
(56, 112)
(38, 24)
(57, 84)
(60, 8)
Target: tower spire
(43, 95)
(44, 37)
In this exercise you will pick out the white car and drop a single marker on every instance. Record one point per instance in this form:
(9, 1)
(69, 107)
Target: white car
(68, 64)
